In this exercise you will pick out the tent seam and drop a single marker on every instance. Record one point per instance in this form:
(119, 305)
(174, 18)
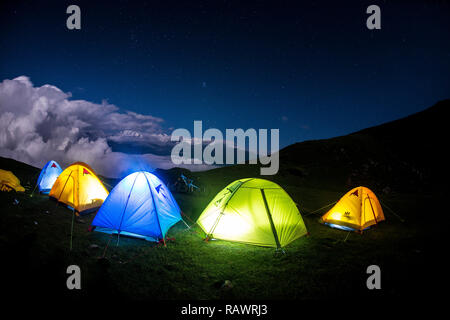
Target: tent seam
(154, 204)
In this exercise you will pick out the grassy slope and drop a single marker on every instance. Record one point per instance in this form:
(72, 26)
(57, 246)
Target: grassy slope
(34, 237)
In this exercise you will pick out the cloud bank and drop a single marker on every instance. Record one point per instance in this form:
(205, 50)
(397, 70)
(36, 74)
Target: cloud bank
(38, 124)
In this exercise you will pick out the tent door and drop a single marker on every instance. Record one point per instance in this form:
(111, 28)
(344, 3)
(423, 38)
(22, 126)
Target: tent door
(233, 192)
(371, 209)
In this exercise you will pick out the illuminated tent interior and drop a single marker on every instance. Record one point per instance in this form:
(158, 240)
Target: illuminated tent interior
(253, 211)
(141, 206)
(79, 188)
(48, 176)
(9, 182)
(357, 210)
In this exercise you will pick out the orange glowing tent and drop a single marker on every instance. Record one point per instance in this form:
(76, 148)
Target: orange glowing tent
(79, 187)
(357, 210)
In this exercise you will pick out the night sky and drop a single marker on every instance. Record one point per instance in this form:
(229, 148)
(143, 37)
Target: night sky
(311, 69)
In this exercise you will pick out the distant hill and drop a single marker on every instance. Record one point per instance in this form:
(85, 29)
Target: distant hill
(402, 155)
(27, 174)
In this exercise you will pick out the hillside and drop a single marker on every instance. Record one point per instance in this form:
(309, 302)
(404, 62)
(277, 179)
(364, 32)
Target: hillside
(35, 232)
(400, 156)
(404, 154)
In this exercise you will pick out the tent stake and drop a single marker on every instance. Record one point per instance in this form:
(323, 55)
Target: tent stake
(269, 215)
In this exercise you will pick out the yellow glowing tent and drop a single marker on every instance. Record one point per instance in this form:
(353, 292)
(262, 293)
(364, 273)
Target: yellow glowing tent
(79, 187)
(357, 210)
(253, 211)
(8, 182)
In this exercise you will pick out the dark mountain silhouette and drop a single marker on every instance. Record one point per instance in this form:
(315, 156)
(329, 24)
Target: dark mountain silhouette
(405, 154)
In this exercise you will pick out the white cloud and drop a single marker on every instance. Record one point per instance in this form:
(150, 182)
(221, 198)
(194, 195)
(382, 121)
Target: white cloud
(38, 124)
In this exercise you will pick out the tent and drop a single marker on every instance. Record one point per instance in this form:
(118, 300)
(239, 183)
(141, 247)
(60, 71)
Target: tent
(140, 205)
(253, 211)
(48, 176)
(9, 182)
(357, 210)
(79, 188)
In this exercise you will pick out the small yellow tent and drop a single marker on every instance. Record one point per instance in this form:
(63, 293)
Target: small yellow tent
(79, 187)
(357, 210)
(8, 182)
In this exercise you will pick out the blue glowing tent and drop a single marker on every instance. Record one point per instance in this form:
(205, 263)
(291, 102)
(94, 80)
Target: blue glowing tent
(48, 176)
(140, 205)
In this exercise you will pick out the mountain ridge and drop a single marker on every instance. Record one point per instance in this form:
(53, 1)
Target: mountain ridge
(394, 155)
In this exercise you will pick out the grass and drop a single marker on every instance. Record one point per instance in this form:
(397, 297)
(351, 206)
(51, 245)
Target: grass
(35, 235)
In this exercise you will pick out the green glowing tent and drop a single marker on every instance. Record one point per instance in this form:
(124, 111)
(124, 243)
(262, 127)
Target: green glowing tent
(253, 211)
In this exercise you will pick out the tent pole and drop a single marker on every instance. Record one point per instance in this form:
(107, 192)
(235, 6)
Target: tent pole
(373, 211)
(126, 204)
(57, 199)
(154, 206)
(361, 208)
(65, 185)
(233, 192)
(214, 226)
(274, 230)
(124, 209)
(71, 229)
